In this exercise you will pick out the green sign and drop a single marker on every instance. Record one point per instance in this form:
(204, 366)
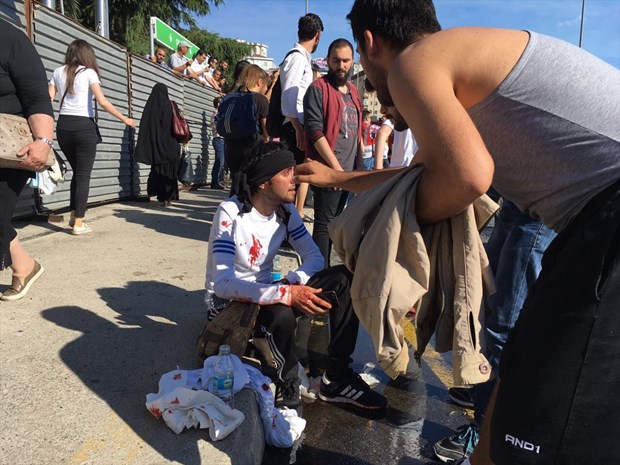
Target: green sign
(168, 37)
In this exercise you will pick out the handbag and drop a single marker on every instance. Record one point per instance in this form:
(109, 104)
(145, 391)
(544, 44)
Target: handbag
(232, 326)
(180, 127)
(186, 171)
(15, 133)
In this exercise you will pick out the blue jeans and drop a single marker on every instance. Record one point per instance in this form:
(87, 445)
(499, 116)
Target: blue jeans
(218, 160)
(368, 163)
(515, 251)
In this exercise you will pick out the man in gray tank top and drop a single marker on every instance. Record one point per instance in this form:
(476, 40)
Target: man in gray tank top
(540, 120)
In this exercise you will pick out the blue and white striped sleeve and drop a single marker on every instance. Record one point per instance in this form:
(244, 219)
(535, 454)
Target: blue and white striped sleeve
(304, 245)
(226, 284)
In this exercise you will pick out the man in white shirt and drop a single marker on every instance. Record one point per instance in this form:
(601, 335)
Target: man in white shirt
(295, 77)
(246, 235)
(199, 66)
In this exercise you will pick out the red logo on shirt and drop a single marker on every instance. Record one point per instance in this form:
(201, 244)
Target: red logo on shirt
(255, 250)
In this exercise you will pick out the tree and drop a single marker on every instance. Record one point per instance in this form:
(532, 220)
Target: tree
(219, 47)
(129, 19)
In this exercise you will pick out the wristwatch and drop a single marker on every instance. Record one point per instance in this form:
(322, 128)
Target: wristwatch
(46, 140)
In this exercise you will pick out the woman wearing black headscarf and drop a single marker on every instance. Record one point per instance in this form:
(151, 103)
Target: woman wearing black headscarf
(157, 146)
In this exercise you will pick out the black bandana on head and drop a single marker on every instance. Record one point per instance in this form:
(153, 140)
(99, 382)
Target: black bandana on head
(262, 171)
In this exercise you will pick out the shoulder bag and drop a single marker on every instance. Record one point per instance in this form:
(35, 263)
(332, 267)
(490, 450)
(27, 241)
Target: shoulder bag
(180, 127)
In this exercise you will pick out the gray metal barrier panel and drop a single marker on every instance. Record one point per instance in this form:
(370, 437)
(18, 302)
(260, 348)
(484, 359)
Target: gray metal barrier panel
(198, 108)
(115, 174)
(14, 11)
(144, 75)
(111, 173)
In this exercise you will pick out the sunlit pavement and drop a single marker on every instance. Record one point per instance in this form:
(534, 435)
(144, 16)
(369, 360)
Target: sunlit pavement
(116, 309)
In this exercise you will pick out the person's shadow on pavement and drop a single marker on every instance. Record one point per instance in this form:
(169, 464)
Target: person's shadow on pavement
(155, 331)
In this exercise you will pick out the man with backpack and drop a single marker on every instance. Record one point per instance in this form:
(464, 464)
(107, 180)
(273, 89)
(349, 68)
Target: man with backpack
(247, 232)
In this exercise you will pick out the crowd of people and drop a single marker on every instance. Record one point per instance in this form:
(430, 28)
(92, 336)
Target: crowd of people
(205, 69)
(527, 119)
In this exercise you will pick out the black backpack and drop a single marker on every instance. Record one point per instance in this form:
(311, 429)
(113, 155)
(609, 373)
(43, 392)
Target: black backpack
(275, 119)
(237, 116)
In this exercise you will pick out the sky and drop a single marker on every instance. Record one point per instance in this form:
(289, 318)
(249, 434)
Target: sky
(274, 22)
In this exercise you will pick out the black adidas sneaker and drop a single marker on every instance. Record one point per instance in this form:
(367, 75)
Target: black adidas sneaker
(351, 390)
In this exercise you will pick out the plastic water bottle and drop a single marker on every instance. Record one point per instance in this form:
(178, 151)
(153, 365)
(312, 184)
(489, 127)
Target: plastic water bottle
(276, 270)
(224, 377)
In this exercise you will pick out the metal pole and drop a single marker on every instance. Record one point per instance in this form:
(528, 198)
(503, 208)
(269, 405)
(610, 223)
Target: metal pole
(102, 18)
(583, 13)
(306, 6)
(62, 7)
(152, 36)
(49, 4)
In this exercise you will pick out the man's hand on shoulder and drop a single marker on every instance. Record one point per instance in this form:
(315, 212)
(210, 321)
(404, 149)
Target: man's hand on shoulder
(306, 300)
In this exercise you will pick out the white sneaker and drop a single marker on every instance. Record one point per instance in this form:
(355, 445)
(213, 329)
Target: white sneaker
(79, 230)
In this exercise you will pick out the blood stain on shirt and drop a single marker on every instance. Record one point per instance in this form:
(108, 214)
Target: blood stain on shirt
(255, 250)
(225, 224)
(282, 292)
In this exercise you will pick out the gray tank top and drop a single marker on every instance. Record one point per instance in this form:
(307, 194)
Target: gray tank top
(553, 130)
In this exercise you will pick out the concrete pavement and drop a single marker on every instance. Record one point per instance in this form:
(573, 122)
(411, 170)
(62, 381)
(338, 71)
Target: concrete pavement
(118, 308)
(113, 311)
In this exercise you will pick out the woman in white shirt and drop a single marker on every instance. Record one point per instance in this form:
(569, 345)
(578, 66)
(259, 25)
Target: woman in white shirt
(76, 83)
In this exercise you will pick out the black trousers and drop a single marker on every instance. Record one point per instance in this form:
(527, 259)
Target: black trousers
(558, 400)
(328, 204)
(11, 184)
(78, 138)
(236, 152)
(276, 325)
(289, 137)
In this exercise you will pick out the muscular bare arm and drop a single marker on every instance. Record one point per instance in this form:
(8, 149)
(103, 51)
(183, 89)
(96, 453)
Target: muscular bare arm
(459, 168)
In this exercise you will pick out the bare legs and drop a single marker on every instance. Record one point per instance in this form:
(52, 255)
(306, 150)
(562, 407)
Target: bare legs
(23, 263)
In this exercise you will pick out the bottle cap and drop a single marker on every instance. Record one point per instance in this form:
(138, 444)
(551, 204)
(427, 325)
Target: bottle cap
(224, 349)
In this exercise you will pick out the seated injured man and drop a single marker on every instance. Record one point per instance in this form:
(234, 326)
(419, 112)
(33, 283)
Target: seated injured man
(248, 230)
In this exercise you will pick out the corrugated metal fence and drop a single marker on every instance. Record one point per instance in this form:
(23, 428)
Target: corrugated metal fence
(127, 81)
(14, 11)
